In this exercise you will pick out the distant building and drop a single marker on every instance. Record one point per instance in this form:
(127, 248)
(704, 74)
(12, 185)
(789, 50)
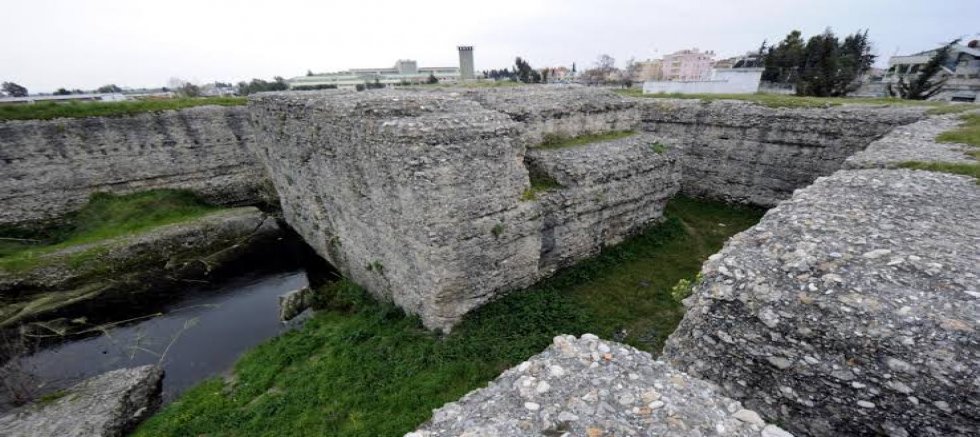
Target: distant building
(404, 72)
(961, 70)
(688, 65)
(466, 71)
(748, 60)
(651, 69)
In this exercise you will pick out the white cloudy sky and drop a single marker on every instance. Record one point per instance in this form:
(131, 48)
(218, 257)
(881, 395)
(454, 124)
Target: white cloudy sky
(46, 44)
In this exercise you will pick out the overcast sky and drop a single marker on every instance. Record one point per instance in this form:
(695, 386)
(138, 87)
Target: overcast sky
(46, 44)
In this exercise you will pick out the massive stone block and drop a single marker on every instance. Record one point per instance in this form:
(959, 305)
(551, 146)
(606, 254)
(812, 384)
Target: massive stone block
(415, 196)
(744, 152)
(850, 309)
(606, 192)
(424, 198)
(50, 167)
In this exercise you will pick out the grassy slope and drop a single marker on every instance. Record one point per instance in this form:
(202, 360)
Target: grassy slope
(363, 368)
(50, 110)
(791, 101)
(105, 216)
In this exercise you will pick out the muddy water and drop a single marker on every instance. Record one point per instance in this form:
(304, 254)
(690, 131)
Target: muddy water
(194, 337)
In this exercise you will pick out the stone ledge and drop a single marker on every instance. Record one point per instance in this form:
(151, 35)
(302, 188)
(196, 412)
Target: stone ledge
(591, 387)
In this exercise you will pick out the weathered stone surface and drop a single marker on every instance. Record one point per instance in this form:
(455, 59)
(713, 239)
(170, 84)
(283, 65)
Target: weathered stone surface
(850, 309)
(420, 196)
(913, 142)
(608, 191)
(744, 152)
(565, 112)
(108, 405)
(186, 250)
(590, 387)
(50, 167)
(295, 302)
(402, 192)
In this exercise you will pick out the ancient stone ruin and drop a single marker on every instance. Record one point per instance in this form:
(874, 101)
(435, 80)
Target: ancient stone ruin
(430, 198)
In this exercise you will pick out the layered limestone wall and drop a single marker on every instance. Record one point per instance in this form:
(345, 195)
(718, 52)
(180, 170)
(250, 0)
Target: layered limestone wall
(749, 153)
(850, 309)
(424, 197)
(50, 167)
(606, 191)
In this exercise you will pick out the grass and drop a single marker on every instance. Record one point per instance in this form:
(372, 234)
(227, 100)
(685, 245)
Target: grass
(540, 182)
(968, 133)
(362, 368)
(50, 110)
(792, 101)
(557, 141)
(968, 169)
(104, 216)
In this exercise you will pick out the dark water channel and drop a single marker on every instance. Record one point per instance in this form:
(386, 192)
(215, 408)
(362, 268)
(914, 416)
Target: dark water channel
(195, 333)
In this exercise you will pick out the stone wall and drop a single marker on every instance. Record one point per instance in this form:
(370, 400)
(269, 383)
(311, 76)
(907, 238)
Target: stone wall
(750, 153)
(424, 197)
(49, 167)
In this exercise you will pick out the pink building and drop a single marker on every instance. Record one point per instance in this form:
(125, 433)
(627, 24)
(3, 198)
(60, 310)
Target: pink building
(688, 65)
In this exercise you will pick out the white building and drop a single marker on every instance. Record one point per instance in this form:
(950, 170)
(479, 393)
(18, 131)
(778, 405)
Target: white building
(961, 70)
(721, 81)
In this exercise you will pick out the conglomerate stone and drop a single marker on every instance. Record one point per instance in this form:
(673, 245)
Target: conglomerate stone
(590, 387)
(914, 142)
(108, 405)
(850, 309)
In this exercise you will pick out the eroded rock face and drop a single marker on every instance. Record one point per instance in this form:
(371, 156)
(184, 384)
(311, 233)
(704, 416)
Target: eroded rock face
(50, 167)
(748, 153)
(606, 192)
(422, 196)
(108, 405)
(414, 196)
(586, 387)
(850, 309)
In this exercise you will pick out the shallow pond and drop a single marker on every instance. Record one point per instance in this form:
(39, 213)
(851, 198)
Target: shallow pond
(199, 334)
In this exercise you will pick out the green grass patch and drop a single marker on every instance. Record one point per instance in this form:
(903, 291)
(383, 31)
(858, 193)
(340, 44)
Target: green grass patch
(558, 141)
(959, 168)
(658, 148)
(50, 110)
(362, 368)
(540, 182)
(104, 216)
(968, 133)
(792, 101)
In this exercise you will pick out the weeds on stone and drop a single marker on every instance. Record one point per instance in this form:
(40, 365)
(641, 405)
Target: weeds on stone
(658, 148)
(968, 133)
(957, 168)
(540, 182)
(558, 141)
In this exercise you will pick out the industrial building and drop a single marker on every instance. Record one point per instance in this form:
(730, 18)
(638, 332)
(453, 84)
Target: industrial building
(404, 72)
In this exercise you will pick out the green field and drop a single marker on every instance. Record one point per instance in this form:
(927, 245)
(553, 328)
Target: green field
(363, 368)
(50, 110)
